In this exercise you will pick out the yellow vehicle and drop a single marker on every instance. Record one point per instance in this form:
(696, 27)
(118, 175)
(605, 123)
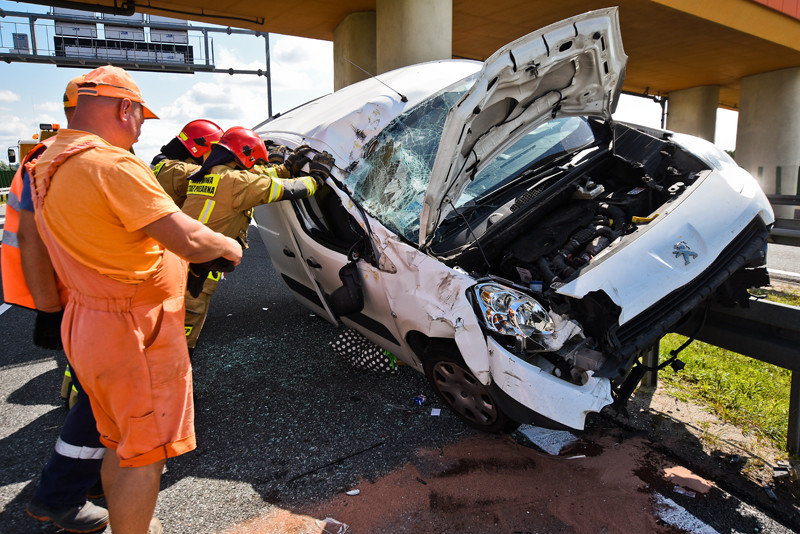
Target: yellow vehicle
(25, 146)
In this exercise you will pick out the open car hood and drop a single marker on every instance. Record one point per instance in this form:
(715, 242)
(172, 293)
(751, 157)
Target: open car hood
(572, 67)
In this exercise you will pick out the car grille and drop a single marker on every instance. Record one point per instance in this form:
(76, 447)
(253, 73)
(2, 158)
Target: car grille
(646, 328)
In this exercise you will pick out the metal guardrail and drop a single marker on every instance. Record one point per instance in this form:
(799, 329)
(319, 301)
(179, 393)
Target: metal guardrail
(766, 331)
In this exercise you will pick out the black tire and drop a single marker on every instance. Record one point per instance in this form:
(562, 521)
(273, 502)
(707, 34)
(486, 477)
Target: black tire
(464, 394)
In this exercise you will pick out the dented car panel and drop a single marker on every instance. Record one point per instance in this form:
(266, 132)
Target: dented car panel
(493, 229)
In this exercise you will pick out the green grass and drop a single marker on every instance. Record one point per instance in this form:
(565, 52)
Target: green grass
(741, 391)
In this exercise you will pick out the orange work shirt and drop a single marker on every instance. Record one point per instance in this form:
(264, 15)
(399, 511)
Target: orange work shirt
(99, 205)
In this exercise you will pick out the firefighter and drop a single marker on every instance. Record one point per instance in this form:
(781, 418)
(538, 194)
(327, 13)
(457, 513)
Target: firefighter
(223, 192)
(183, 155)
(73, 471)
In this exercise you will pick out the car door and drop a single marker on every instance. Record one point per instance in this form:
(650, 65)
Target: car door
(309, 242)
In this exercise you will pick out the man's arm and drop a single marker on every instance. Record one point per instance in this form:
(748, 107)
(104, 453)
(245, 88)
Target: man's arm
(192, 240)
(36, 265)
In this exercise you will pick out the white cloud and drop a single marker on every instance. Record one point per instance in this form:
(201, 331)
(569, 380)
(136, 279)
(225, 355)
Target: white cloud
(8, 96)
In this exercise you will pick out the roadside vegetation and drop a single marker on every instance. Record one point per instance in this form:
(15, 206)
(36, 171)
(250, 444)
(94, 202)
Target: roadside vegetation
(741, 391)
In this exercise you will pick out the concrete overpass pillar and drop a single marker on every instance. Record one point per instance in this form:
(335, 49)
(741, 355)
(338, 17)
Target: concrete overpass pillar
(354, 42)
(694, 111)
(413, 31)
(768, 132)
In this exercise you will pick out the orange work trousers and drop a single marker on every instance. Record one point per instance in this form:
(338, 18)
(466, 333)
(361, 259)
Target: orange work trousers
(127, 346)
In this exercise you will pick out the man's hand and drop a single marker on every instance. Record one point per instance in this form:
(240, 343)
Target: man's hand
(47, 330)
(198, 272)
(297, 159)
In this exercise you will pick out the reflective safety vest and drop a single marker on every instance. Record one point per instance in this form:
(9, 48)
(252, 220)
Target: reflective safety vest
(15, 289)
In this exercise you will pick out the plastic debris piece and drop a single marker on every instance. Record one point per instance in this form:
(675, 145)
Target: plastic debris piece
(680, 490)
(419, 400)
(780, 472)
(331, 526)
(422, 481)
(550, 441)
(577, 457)
(436, 411)
(353, 492)
(770, 493)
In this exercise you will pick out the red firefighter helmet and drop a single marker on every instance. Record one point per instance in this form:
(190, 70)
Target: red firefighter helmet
(245, 145)
(198, 136)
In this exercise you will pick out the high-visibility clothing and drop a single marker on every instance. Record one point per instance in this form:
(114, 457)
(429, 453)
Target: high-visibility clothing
(225, 197)
(224, 200)
(172, 174)
(15, 289)
(122, 332)
(100, 220)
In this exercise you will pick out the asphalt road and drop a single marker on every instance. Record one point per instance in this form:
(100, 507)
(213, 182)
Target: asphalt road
(282, 422)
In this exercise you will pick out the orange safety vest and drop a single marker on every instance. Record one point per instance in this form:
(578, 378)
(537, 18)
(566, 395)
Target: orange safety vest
(15, 289)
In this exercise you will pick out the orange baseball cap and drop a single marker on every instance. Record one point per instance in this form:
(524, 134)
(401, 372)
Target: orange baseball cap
(71, 92)
(113, 82)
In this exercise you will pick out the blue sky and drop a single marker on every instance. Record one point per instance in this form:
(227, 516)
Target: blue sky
(302, 69)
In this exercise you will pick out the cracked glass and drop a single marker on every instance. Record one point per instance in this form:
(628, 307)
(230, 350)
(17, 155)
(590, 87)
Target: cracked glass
(390, 181)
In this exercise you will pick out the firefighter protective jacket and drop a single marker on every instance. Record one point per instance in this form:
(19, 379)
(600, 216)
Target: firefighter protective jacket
(225, 197)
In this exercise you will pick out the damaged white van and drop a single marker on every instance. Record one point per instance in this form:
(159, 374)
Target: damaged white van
(491, 226)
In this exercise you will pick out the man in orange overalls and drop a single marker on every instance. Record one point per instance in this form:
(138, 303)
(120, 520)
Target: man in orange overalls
(73, 471)
(119, 243)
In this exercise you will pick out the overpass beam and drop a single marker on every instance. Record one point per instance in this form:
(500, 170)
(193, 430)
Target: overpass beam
(768, 132)
(413, 31)
(354, 49)
(694, 111)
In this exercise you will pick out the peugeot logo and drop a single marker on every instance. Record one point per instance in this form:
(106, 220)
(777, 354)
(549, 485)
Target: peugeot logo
(682, 248)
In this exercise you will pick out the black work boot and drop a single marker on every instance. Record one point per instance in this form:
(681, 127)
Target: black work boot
(87, 517)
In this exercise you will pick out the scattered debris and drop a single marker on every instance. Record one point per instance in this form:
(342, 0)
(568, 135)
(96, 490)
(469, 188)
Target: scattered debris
(331, 526)
(419, 400)
(550, 441)
(780, 471)
(681, 491)
(577, 457)
(436, 411)
(353, 492)
(770, 493)
(422, 481)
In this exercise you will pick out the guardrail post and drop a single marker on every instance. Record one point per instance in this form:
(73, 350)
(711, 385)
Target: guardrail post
(793, 433)
(651, 360)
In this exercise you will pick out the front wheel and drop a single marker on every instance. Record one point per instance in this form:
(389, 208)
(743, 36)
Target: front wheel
(473, 402)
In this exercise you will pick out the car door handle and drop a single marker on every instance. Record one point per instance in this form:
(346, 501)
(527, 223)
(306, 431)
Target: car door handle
(313, 264)
(287, 252)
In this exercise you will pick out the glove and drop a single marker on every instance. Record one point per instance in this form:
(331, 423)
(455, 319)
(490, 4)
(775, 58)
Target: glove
(320, 167)
(47, 330)
(297, 159)
(277, 154)
(198, 272)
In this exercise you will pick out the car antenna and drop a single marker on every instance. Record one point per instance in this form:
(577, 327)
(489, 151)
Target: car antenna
(402, 96)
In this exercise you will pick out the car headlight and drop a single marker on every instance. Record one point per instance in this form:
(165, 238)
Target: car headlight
(510, 312)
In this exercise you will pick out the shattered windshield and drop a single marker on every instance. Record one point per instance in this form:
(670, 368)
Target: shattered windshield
(391, 180)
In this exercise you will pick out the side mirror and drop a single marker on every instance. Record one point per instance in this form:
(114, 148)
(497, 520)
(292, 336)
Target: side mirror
(12, 155)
